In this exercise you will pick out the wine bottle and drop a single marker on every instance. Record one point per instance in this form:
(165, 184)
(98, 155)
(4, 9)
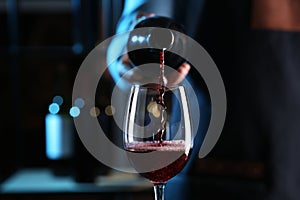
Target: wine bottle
(145, 45)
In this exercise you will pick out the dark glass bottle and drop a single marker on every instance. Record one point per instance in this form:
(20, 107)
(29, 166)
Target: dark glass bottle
(144, 45)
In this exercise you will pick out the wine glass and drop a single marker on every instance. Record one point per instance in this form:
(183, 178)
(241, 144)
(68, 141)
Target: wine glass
(158, 133)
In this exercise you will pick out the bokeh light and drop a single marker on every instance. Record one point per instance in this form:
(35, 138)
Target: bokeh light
(94, 112)
(79, 102)
(153, 109)
(74, 111)
(53, 108)
(110, 110)
(58, 99)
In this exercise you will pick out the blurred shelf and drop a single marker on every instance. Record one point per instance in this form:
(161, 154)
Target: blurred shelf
(39, 182)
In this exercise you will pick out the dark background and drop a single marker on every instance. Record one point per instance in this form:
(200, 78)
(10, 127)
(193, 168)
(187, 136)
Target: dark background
(42, 45)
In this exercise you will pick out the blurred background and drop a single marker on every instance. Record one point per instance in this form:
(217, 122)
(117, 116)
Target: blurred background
(44, 42)
(42, 45)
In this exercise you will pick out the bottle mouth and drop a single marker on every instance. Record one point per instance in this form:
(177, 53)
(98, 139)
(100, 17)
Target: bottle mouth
(152, 35)
(161, 39)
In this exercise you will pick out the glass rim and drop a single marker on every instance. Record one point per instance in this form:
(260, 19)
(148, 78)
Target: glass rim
(154, 86)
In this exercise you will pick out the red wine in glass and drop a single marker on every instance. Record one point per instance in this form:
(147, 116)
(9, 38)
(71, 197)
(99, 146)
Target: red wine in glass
(158, 133)
(165, 148)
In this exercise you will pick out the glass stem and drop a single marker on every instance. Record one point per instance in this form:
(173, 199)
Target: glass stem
(159, 191)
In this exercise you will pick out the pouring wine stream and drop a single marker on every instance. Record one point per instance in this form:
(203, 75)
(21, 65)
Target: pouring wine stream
(160, 99)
